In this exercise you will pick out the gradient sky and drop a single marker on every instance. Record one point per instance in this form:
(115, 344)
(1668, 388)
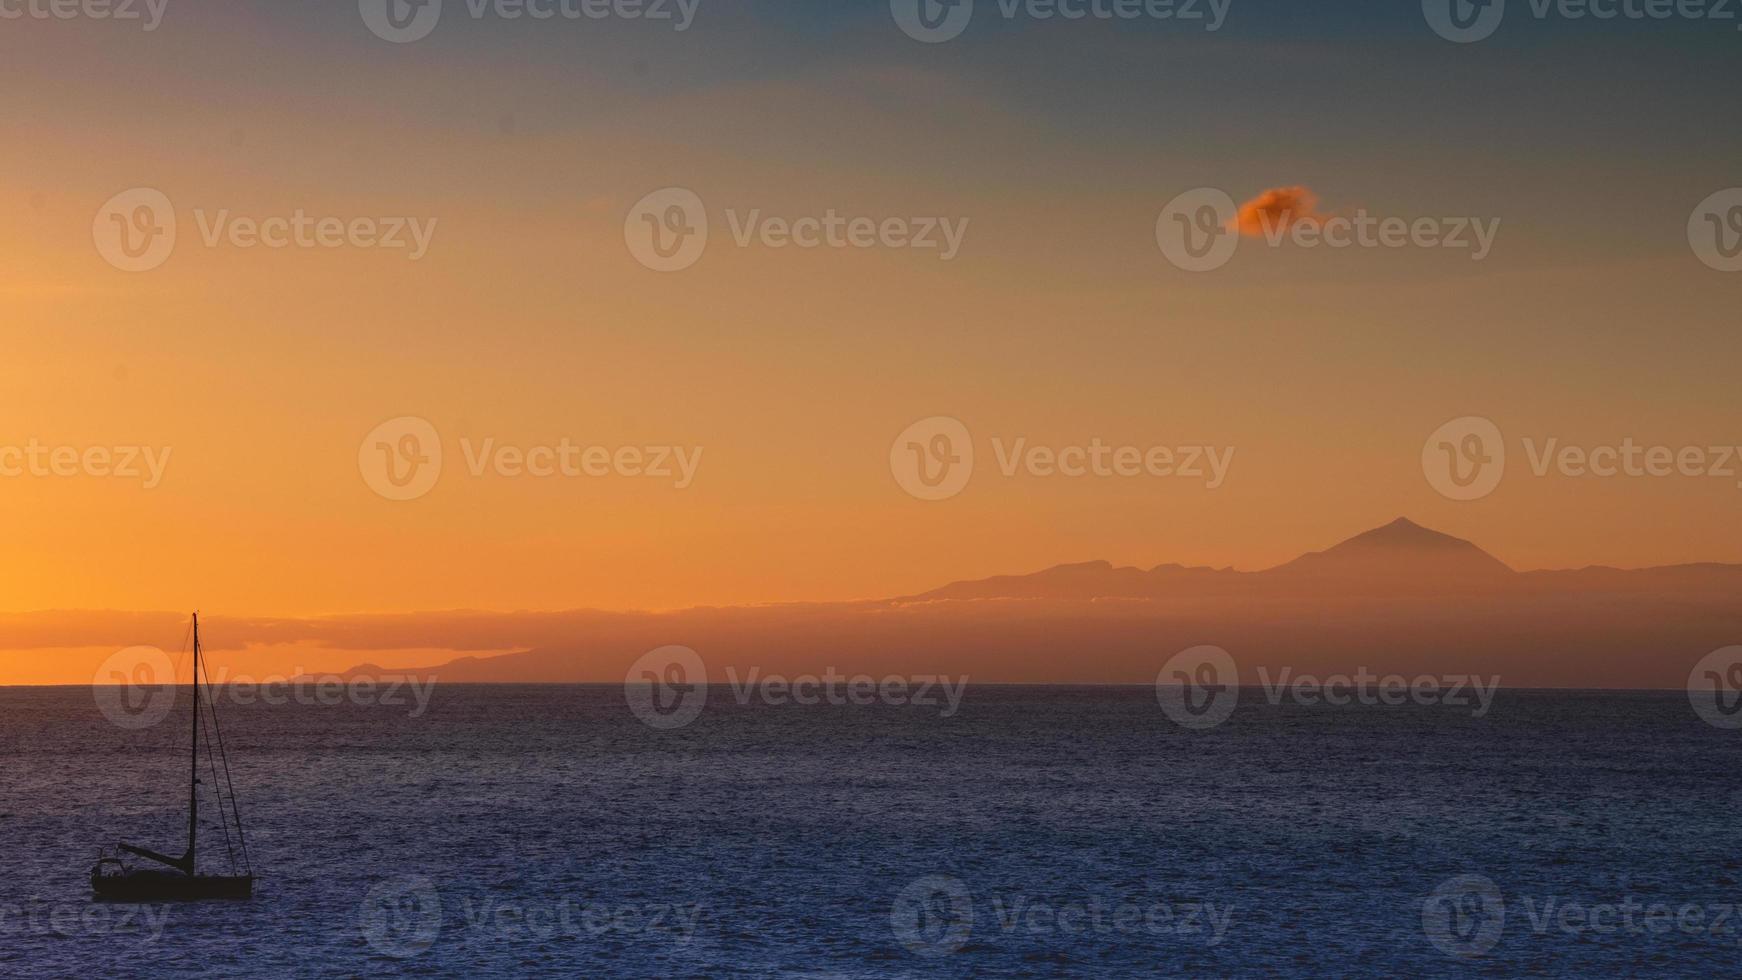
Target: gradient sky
(529, 321)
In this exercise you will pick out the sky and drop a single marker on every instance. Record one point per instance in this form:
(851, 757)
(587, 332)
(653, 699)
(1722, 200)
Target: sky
(528, 319)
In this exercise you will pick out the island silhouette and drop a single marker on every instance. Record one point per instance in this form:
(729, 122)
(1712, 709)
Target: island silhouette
(1400, 598)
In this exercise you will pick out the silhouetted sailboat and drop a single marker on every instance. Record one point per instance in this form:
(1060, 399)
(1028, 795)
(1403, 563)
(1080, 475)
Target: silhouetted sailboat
(114, 880)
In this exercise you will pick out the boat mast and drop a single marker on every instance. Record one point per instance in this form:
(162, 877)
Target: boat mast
(185, 863)
(194, 769)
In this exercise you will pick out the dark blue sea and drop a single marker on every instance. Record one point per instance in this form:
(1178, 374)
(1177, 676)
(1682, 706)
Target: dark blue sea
(526, 831)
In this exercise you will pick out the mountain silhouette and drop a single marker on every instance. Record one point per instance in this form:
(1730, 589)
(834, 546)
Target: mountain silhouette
(1401, 557)
(1401, 545)
(1400, 598)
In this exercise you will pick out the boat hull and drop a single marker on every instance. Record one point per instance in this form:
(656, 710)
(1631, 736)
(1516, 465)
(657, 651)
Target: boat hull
(160, 886)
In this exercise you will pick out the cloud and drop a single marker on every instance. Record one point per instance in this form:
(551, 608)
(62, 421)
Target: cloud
(1277, 209)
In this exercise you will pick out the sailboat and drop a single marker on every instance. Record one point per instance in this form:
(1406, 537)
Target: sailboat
(114, 880)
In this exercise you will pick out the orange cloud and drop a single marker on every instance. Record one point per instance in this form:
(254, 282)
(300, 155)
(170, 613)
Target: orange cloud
(1277, 209)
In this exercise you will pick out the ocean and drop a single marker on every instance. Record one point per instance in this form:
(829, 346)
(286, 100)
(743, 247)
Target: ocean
(507, 831)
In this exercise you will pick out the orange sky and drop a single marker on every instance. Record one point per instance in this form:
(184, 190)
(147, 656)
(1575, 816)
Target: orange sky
(530, 322)
(262, 509)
